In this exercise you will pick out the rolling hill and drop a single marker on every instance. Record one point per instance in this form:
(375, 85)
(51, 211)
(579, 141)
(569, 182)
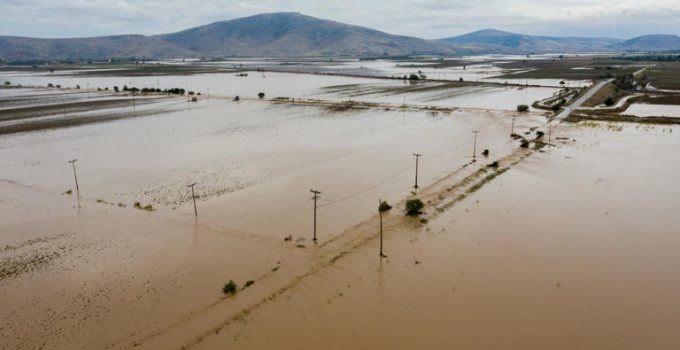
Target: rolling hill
(496, 41)
(290, 34)
(656, 42)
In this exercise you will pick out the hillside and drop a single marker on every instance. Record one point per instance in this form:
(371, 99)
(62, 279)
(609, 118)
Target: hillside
(294, 34)
(656, 42)
(289, 34)
(496, 41)
(14, 48)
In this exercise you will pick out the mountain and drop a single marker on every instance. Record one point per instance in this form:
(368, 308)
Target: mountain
(13, 48)
(496, 41)
(656, 42)
(272, 34)
(294, 34)
(290, 34)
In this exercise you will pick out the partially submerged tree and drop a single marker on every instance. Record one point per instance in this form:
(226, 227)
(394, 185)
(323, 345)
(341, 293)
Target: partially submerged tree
(384, 206)
(414, 207)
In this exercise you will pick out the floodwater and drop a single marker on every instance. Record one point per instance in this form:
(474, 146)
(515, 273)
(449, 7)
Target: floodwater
(518, 262)
(653, 110)
(561, 252)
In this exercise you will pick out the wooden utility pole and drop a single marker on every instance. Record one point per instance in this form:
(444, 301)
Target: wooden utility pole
(417, 157)
(316, 197)
(193, 197)
(474, 147)
(512, 128)
(381, 227)
(75, 177)
(549, 132)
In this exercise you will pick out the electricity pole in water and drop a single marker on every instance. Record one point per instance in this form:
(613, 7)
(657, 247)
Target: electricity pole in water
(380, 211)
(193, 197)
(75, 177)
(512, 128)
(316, 197)
(417, 156)
(474, 147)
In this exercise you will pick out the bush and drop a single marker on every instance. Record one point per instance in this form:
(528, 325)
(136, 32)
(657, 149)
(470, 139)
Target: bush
(384, 206)
(524, 144)
(230, 288)
(485, 153)
(494, 164)
(413, 77)
(539, 134)
(260, 95)
(248, 284)
(8, 83)
(522, 108)
(609, 102)
(414, 207)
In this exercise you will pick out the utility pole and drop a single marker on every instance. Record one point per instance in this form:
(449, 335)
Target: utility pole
(549, 132)
(381, 227)
(512, 128)
(474, 147)
(75, 177)
(316, 197)
(417, 156)
(193, 197)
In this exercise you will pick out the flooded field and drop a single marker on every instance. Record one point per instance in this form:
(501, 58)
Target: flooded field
(653, 110)
(509, 266)
(546, 245)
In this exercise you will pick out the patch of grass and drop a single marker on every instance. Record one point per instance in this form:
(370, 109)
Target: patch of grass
(414, 207)
(139, 206)
(230, 288)
(248, 284)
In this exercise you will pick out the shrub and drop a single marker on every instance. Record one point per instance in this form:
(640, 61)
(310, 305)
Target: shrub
(230, 288)
(413, 77)
(494, 164)
(522, 108)
(414, 207)
(260, 95)
(115, 88)
(539, 134)
(609, 102)
(485, 153)
(8, 83)
(384, 206)
(524, 144)
(248, 284)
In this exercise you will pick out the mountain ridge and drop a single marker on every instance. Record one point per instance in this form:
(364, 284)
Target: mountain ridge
(292, 34)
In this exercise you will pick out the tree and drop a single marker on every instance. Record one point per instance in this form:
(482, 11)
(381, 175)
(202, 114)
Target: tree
(609, 102)
(115, 88)
(230, 288)
(260, 95)
(384, 206)
(414, 207)
(522, 108)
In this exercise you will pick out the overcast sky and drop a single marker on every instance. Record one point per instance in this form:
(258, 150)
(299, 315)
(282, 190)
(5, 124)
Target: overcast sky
(423, 18)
